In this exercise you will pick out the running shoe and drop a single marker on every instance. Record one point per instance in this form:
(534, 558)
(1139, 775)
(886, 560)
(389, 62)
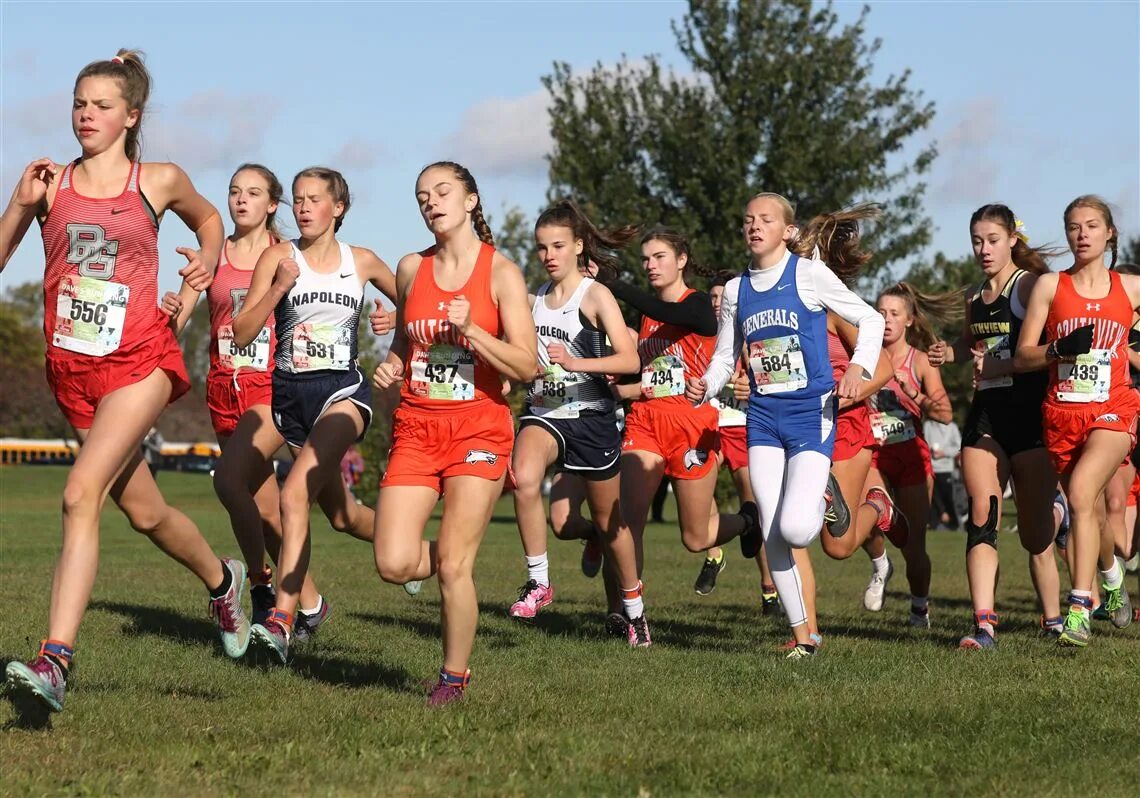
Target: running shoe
(591, 557)
(306, 624)
(751, 537)
(891, 522)
(413, 588)
(41, 679)
(1133, 565)
(273, 638)
(532, 598)
(802, 651)
(815, 637)
(637, 633)
(617, 625)
(443, 694)
(982, 637)
(264, 599)
(1118, 606)
(1051, 627)
(1077, 630)
(837, 515)
(1062, 539)
(877, 588)
(919, 618)
(233, 625)
(706, 579)
(770, 604)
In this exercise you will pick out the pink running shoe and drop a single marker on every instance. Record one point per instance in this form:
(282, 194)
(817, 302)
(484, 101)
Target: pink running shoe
(591, 557)
(449, 688)
(532, 598)
(891, 523)
(638, 633)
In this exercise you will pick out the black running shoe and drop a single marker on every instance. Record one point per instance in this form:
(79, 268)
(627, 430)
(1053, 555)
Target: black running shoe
(770, 604)
(617, 625)
(264, 598)
(751, 537)
(706, 579)
(305, 627)
(837, 516)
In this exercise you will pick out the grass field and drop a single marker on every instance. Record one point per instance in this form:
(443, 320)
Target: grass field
(554, 709)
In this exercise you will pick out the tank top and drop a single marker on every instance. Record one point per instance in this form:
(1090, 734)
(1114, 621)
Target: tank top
(787, 341)
(560, 393)
(317, 320)
(1134, 345)
(895, 417)
(670, 355)
(100, 271)
(998, 328)
(443, 372)
(730, 410)
(840, 358)
(225, 297)
(1102, 373)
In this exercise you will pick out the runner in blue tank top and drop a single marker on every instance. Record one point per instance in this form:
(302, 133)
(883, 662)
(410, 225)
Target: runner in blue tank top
(778, 309)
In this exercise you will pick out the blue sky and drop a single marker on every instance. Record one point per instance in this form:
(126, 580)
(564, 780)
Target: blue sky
(1037, 102)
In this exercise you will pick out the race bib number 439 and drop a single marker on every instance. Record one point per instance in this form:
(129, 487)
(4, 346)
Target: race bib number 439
(1088, 379)
(90, 314)
(777, 365)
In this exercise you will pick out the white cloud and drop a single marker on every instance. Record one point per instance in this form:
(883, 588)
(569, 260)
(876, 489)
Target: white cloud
(965, 164)
(504, 136)
(357, 155)
(210, 129)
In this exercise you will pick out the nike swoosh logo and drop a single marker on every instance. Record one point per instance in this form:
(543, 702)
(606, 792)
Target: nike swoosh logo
(782, 287)
(117, 211)
(995, 311)
(609, 453)
(345, 276)
(568, 310)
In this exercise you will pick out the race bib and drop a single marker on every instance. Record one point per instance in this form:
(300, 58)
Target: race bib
(556, 391)
(254, 355)
(321, 347)
(997, 347)
(444, 371)
(892, 426)
(1089, 379)
(729, 411)
(777, 365)
(90, 315)
(665, 376)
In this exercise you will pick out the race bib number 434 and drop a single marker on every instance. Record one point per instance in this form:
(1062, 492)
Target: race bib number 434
(777, 364)
(90, 314)
(665, 376)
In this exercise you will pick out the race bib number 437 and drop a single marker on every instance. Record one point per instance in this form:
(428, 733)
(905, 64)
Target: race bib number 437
(444, 371)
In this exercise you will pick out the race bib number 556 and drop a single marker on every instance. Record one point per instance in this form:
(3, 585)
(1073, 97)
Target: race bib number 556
(90, 314)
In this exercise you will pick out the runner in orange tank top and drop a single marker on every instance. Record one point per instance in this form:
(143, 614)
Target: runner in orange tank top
(462, 321)
(1090, 410)
(112, 361)
(664, 433)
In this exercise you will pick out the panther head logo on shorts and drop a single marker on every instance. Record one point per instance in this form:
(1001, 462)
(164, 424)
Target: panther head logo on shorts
(1108, 418)
(481, 456)
(695, 458)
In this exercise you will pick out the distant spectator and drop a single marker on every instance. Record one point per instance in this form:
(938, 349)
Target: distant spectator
(352, 468)
(152, 449)
(945, 443)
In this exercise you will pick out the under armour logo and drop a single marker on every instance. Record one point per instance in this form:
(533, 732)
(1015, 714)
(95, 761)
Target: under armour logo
(442, 306)
(1092, 306)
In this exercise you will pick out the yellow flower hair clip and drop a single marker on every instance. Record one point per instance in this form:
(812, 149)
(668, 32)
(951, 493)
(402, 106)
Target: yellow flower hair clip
(1019, 231)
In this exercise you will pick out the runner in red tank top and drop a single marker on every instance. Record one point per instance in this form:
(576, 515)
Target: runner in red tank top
(463, 320)
(664, 433)
(902, 461)
(112, 361)
(1090, 410)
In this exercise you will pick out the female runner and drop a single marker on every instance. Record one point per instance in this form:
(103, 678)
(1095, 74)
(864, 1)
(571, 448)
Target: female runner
(1003, 431)
(463, 325)
(112, 360)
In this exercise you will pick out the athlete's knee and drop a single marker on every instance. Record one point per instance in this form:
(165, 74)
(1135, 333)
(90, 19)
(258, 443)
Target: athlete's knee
(80, 497)
(341, 520)
(800, 529)
(294, 501)
(695, 540)
(838, 548)
(395, 570)
(528, 485)
(453, 569)
(985, 532)
(229, 487)
(146, 517)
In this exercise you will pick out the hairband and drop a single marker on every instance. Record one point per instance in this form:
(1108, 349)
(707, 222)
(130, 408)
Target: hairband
(116, 60)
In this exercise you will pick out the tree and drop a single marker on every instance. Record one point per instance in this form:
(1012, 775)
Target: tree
(1130, 251)
(780, 99)
(514, 237)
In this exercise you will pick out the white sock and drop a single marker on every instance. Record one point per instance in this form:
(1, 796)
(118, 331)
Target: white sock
(316, 609)
(538, 569)
(918, 602)
(1113, 578)
(881, 564)
(634, 607)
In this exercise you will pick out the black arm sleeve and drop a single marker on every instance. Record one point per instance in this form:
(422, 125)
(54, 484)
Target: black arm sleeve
(694, 312)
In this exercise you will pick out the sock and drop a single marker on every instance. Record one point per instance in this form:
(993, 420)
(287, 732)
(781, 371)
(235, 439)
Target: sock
(538, 569)
(987, 621)
(315, 610)
(767, 591)
(282, 619)
(58, 652)
(816, 639)
(454, 678)
(632, 602)
(224, 587)
(881, 564)
(1080, 602)
(1113, 578)
(918, 605)
(262, 577)
(718, 559)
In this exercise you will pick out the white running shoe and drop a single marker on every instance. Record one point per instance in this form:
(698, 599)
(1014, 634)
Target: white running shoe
(877, 588)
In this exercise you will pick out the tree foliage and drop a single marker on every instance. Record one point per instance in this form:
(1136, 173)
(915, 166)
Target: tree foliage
(780, 98)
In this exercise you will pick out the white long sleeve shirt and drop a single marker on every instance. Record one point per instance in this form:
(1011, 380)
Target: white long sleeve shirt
(819, 289)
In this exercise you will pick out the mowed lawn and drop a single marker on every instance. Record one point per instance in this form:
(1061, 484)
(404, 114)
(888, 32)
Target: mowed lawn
(555, 708)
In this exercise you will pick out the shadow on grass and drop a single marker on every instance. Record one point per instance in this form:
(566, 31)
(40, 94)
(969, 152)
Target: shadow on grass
(161, 622)
(353, 674)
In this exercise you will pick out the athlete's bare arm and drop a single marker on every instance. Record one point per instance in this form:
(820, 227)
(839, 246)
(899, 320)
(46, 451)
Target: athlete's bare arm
(932, 397)
(601, 309)
(273, 276)
(166, 186)
(1030, 355)
(515, 355)
(29, 199)
(849, 334)
(374, 270)
(391, 370)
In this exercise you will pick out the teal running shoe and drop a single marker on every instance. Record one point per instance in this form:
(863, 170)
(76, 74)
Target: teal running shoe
(41, 679)
(233, 625)
(413, 588)
(273, 639)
